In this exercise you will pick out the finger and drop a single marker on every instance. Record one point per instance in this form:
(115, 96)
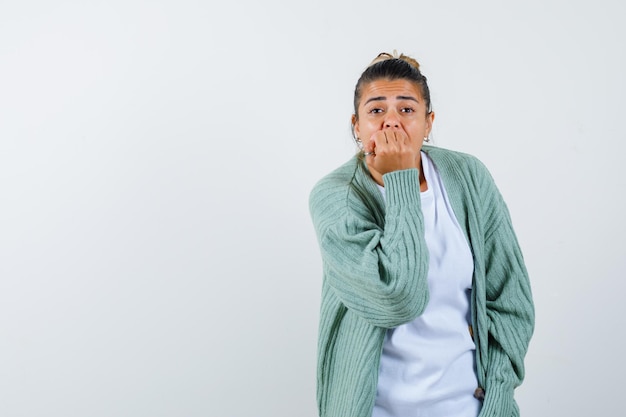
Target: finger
(376, 140)
(401, 136)
(368, 147)
(368, 150)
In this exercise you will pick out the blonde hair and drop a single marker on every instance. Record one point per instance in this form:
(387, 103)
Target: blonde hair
(383, 56)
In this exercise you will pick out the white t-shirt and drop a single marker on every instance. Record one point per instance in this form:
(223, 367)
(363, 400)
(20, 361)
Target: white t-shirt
(427, 367)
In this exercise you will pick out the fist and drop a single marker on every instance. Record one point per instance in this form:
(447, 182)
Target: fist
(391, 150)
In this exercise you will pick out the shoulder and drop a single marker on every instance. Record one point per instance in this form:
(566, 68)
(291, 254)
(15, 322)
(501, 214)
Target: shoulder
(346, 195)
(467, 179)
(335, 184)
(329, 197)
(459, 169)
(449, 159)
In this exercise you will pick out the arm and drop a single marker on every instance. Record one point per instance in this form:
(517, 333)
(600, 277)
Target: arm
(379, 274)
(510, 312)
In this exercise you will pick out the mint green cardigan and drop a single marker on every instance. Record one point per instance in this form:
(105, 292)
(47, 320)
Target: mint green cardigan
(375, 264)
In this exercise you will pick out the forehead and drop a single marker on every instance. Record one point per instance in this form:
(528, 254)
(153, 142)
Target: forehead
(390, 89)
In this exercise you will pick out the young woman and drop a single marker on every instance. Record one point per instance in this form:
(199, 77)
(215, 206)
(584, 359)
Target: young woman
(426, 303)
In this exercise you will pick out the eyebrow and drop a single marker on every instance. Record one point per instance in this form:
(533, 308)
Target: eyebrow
(383, 98)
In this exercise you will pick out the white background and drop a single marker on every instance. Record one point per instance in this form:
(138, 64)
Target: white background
(156, 252)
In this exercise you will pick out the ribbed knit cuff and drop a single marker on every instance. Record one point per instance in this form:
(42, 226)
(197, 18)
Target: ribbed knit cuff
(402, 187)
(499, 402)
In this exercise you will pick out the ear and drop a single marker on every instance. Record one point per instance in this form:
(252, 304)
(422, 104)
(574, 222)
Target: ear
(355, 126)
(430, 118)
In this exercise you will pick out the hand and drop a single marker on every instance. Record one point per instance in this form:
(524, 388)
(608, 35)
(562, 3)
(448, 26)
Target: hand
(391, 150)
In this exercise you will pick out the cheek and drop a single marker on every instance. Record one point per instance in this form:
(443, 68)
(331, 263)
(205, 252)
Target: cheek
(370, 125)
(362, 128)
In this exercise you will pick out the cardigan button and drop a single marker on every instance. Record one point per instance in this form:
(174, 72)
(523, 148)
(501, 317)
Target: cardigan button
(479, 394)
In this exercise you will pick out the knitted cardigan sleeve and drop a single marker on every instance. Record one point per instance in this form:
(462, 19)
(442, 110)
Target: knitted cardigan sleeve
(377, 271)
(510, 315)
(508, 303)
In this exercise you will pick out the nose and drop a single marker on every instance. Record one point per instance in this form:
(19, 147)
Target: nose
(391, 121)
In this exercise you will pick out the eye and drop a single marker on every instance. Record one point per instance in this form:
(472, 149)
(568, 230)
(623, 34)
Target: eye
(375, 110)
(407, 110)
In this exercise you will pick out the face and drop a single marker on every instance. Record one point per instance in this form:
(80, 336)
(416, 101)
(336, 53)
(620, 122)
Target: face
(392, 105)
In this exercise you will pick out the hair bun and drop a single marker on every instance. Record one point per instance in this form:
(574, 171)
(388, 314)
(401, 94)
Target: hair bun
(383, 56)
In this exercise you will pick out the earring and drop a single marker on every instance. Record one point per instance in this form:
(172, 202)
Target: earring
(426, 139)
(359, 144)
